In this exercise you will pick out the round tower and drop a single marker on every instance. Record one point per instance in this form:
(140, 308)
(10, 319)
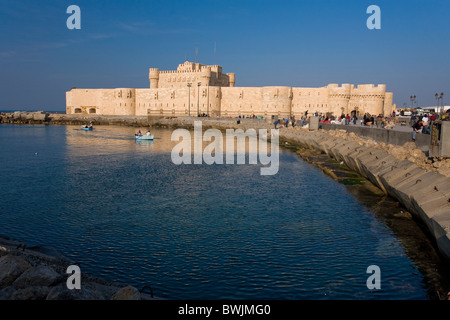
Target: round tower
(154, 77)
(388, 106)
(205, 76)
(231, 79)
(338, 98)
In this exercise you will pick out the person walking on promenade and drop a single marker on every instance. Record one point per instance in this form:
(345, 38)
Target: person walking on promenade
(426, 125)
(413, 119)
(417, 127)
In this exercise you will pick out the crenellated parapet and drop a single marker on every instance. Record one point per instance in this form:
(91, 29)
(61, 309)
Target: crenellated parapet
(190, 72)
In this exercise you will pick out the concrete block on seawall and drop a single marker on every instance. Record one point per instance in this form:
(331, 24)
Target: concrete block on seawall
(375, 164)
(402, 186)
(341, 152)
(356, 156)
(398, 172)
(335, 150)
(430, 188)
(373, 159)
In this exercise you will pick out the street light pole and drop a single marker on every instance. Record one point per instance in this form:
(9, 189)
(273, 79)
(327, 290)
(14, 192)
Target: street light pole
(189, 99)
(437, 96)
(207, 106)
(437, 103)
(412, 98)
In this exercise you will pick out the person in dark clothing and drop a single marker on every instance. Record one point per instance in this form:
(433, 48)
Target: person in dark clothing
(417, 127)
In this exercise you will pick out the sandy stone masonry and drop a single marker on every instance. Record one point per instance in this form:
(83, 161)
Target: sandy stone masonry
(214, 92)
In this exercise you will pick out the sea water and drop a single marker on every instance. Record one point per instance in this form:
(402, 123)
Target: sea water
(126, 213)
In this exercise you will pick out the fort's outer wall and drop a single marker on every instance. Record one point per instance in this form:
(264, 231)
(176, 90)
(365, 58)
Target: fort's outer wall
(99, 101)
(178, 101)
(311, 100)
(231, 101)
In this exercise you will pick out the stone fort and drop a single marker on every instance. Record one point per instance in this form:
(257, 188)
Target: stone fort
(195, 88)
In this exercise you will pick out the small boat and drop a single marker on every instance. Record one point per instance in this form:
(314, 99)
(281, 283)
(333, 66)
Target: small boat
(87, 128)
(144, 137)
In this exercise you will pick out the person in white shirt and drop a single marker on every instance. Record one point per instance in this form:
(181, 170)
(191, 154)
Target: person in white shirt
(426, 127)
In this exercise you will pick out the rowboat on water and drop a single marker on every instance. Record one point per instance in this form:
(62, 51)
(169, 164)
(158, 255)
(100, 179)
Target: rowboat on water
(144, 137)
(86, 128)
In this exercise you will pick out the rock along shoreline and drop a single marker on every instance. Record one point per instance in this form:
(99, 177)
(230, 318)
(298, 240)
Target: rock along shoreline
(39, 273)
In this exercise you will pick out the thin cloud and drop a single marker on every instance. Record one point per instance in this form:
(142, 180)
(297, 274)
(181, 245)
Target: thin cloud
(150, 28)
(7, 54)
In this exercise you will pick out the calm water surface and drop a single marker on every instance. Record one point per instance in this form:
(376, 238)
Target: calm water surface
(127, 213)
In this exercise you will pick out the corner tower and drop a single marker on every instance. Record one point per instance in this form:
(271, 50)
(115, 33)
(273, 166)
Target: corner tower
(154, 78)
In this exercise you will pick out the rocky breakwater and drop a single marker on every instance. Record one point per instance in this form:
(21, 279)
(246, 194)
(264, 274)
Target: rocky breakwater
(42, 117)
(39, 273)
(25, 117)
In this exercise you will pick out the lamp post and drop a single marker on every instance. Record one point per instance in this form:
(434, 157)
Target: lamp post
(207, 105)
(412, 98)
(189, 99)
(198, 98)
(437, 96)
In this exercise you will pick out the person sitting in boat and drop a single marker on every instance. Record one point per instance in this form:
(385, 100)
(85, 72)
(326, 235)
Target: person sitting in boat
(148, 133)
(139, 133)
(90, 125)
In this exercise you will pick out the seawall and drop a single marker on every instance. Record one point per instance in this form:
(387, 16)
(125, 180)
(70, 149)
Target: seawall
(383, 135)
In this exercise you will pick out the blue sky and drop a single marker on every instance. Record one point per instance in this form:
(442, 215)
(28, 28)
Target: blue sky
(294, 43)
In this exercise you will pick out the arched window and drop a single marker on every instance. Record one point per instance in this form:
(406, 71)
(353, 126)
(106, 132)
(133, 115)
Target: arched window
(77, 110)
(92, 110)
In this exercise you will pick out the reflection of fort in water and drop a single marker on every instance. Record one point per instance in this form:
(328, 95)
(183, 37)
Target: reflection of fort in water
(104, 140)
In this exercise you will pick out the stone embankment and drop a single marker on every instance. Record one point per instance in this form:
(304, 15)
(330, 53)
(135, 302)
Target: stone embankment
(42, 117)
(39, 273)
